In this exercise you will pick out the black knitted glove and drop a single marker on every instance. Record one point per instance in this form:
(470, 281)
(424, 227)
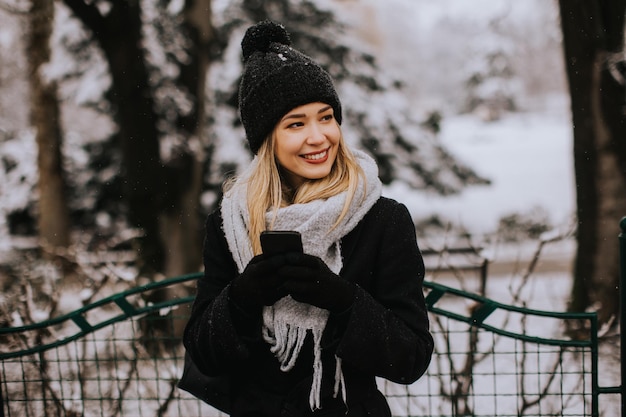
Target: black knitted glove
(259, 284)
(309, 280)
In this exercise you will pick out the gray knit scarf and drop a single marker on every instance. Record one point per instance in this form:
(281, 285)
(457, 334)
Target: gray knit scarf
(286, 323)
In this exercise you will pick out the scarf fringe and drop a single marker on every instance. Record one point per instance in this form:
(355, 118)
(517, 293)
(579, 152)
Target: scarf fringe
(340, 383)
(286, 340)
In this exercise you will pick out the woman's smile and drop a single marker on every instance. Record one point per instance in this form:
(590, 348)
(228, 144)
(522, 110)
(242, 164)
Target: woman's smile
(317, 158)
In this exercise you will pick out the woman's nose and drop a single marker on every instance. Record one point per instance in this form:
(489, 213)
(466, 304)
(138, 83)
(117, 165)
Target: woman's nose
(316, 134)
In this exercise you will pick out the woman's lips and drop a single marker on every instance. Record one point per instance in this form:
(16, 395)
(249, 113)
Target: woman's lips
(316, 158)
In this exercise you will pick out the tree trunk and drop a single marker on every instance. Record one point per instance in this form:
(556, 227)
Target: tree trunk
(53, 215)
(119, 36)
(593, 35)
(164, 201)
(139, 139)
(182, 222)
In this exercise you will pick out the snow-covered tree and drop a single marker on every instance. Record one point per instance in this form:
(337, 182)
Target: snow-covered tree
(146, 147)
(492, 86)
(156, 56)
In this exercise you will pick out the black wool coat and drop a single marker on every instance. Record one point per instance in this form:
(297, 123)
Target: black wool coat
(385, 333)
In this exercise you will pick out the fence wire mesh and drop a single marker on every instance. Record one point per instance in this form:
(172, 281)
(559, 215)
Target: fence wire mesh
(122, 357)
(497, 376)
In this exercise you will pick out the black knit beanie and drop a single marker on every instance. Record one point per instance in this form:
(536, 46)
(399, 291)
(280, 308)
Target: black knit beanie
(277, 78)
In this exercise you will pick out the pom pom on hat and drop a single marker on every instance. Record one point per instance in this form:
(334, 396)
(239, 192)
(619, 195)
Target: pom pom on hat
(276, 79)
(259, 37)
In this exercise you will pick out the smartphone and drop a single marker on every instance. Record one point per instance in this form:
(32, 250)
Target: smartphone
(274, 242)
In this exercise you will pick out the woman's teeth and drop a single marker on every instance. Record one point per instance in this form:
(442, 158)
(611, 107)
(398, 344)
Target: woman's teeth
(316, 156)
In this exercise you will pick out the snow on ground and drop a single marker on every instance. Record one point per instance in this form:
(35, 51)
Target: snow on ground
(527, 156)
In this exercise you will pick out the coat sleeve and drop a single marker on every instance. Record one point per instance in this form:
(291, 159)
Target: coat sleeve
(387, 331)
(211, 336)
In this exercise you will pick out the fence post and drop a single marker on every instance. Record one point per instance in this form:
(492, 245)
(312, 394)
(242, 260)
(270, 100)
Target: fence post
(1, 398)
(622, 296)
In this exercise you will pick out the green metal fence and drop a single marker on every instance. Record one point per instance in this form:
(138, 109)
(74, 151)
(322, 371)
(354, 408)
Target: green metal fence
(118, 357)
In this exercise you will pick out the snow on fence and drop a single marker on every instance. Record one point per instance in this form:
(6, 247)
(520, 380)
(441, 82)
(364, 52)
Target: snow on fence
(119, 357)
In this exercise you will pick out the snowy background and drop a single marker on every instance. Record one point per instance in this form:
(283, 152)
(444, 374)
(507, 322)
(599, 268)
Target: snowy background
(432, 47)
(528, 158)
(526, 154)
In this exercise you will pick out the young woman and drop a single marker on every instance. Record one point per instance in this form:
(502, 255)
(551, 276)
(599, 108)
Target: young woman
(302, 334)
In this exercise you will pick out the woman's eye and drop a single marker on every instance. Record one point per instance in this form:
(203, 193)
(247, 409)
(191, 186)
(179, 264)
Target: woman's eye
(294, 125)
(327, 117)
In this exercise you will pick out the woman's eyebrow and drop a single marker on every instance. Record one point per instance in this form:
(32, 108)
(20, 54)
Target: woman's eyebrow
(301, 115)
(322, 110)
(294, 116)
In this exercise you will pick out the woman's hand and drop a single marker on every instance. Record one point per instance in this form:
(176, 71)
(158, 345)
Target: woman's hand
(259, 284)
(309, 280)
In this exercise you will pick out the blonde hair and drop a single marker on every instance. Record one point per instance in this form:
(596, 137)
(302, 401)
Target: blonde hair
(267, 190)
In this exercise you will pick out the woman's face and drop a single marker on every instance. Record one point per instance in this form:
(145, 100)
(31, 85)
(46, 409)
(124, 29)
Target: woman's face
(307, 138)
